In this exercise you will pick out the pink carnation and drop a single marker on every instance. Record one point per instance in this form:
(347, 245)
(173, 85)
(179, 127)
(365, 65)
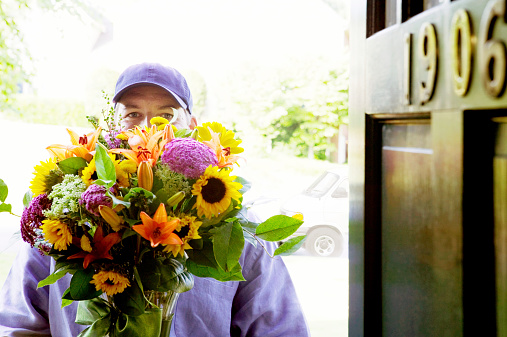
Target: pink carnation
(189, 157)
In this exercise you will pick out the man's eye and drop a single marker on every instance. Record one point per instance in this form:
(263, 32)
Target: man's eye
(132, 115)
(167, 116)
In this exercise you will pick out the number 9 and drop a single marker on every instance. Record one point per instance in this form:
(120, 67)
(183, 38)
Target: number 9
(429, 59)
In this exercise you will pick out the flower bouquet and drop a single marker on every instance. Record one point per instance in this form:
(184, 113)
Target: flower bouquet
(134, 215)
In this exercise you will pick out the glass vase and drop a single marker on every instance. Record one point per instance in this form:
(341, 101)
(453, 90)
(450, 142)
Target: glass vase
(166, 301)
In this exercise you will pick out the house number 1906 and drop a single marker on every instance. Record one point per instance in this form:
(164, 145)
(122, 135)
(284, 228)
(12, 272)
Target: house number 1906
(491, 55)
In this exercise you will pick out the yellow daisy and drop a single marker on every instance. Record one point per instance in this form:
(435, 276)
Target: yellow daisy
(110, 282)
(214, 190)
(160, 122)
(42, 183)
(57, 233)
(226, 136)
(187, 230)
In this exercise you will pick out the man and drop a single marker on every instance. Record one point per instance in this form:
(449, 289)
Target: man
(264, 305)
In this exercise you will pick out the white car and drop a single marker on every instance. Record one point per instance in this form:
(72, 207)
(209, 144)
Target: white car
(325, 208)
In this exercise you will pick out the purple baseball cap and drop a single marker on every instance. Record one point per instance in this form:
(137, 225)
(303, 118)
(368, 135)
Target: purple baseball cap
(153, 73)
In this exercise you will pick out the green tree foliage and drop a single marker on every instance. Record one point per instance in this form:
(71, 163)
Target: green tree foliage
(12, 51)
(307, 113)
(297, 106)
(15, 58)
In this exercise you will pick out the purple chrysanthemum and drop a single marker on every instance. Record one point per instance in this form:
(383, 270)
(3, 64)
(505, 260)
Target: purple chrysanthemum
(32, 217)
(111, 140)
(93, 197)
(188, 157)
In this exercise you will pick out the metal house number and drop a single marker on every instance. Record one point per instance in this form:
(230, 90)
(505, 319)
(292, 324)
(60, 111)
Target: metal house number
(491, 54)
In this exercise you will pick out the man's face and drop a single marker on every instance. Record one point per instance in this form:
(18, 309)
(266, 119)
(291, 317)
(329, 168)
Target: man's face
(140, 104)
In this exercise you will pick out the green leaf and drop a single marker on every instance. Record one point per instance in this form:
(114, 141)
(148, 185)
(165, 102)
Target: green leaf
(66, 302)
(182, 133)
(290, 246)
(106, 183)
(80, 286)
(213, 221)
(66, 294)
(4, 191)
(135, 192)
(128, 232)
(53, 278)
(131, 300)
(27, 198)
(246, 184)
(104, 165)
(117, 201)
(203, 256)
(217, 273)
(5, 207)
(72, 165)
(63, 264)
(132, 222)
(277, 228)
(163, 274)
(228, 243)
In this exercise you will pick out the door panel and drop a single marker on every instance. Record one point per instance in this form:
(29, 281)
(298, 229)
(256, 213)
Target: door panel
(428, 181)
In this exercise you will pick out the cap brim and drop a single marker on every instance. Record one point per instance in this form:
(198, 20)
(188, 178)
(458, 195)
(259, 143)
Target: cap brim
(118, 95)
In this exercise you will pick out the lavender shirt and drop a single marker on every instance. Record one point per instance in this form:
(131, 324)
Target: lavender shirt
(264, 305)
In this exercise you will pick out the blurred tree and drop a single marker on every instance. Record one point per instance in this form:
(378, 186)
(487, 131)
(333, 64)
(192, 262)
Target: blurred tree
(15, 59)
(298, 107)
(307, 113)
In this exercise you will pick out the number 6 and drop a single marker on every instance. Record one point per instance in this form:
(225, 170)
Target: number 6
(492, 52)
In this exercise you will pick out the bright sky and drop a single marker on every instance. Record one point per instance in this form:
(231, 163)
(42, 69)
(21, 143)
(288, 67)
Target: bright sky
(208, 36)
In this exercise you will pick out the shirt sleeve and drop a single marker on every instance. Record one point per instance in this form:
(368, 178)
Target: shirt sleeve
(266, 303)
(23, 306)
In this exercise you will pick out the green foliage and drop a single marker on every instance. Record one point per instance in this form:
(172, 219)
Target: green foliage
(72, 165)
(164, 274)
(27, 198)
(228, 244)
(4, 191)
(298, 107)
(52, 278)
(278, 227)
(131, 300)
(309, 114)
(80, 286)
(15, 58)
(104, 165)
(290, 246)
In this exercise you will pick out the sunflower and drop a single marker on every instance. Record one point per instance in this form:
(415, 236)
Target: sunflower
(46, 174)
(110, 282)
(89, 174)
(187, 230)
(214, 191)
(57, 233)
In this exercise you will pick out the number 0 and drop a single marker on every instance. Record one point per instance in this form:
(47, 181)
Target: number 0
(461, 44)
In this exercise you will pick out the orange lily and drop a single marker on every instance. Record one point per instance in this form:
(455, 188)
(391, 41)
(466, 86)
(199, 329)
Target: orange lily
(83, 146)
(145, 144)
(225, 158)
(158, 230)
(101, 247)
